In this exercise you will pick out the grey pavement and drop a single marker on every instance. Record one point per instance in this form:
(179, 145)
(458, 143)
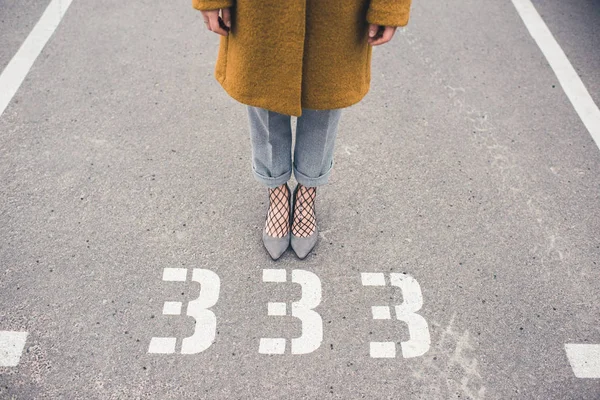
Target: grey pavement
(465, 167)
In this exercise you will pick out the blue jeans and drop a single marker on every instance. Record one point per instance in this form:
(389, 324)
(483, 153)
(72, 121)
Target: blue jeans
(271, 137)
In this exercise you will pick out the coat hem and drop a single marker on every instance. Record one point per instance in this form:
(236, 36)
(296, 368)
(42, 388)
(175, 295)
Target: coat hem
(258, 102)
(341, 102)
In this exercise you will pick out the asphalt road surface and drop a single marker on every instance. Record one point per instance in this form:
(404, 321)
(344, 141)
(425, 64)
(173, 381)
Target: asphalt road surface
(459, 254)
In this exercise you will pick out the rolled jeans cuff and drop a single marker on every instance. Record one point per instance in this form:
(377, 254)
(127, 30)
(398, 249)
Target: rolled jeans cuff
(272, 182)
(312, 182)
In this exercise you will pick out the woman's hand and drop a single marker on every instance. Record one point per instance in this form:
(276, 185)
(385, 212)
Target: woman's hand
(211, 20)
(379, 34)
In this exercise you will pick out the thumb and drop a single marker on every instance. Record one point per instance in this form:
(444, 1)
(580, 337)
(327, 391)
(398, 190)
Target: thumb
(226, 16)
(373, 29)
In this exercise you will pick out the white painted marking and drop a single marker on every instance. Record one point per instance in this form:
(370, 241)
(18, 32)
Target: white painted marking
(312, 324)
(276, 309)
(567, 76)
(271, 346)
(372, 278)
(382, 349)
(17, 69)
(381, 312)
(172, 308)
(420, 339)
(274, 275)
(584, 359)
(162, 345)
(206, 321)
(11, 347)
(175, 274)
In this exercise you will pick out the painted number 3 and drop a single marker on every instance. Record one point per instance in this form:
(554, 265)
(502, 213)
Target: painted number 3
(312, 324)
(206, 321)
(303, 309)
(417, 326)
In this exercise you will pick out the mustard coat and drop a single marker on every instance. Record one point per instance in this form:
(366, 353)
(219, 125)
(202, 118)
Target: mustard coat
(285, 55)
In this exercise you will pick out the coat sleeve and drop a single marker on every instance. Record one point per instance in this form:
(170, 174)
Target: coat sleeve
(388, 12)
(211, 4)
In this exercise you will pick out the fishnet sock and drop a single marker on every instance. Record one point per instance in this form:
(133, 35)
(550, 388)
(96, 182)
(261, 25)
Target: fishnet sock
(305, 220)
(278, 216)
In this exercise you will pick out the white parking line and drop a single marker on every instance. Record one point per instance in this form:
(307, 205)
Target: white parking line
(584, 359)
(19, 66)
(11, 347)
(569, 80)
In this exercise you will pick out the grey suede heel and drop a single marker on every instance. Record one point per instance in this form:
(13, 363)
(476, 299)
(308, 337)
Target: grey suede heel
(302, 245)
(276, 246)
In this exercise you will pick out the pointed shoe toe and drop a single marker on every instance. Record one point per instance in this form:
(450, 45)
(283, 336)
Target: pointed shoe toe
(303, 245)
(276, 246)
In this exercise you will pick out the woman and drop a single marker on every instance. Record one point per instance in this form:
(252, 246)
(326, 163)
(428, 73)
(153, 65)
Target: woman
(303, 58)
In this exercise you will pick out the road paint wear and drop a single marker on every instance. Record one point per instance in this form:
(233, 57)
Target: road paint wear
(17, 69)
